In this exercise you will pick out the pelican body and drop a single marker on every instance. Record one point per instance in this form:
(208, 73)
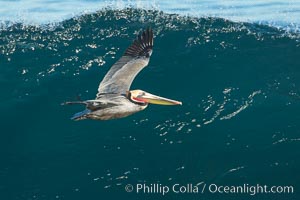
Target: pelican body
(114, 99)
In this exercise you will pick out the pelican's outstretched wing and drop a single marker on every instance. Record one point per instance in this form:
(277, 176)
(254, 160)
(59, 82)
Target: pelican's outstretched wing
(120, 76)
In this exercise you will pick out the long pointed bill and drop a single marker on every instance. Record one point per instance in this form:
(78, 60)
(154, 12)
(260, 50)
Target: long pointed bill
(150, 98)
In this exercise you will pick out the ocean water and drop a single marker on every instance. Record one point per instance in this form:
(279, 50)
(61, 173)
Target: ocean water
(239, 122)
(277, 13)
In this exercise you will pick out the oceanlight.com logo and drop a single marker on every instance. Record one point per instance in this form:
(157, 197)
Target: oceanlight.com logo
(202, 188)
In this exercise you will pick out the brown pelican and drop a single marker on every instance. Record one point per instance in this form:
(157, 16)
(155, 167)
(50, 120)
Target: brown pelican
(114, 100)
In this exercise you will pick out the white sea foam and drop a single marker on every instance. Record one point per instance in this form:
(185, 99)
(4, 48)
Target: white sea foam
(278, 13)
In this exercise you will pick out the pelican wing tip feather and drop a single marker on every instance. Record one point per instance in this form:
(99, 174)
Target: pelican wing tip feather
(142, 45)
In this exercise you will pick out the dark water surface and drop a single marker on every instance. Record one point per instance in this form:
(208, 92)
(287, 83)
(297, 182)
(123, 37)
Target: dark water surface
(239, 123)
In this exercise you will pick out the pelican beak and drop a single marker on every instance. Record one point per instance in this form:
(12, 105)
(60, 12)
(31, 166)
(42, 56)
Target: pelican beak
(153, 99)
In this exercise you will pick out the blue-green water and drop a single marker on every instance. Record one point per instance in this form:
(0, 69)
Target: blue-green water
(239, 123)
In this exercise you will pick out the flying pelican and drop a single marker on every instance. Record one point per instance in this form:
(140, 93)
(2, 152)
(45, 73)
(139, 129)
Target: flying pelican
(114, 99)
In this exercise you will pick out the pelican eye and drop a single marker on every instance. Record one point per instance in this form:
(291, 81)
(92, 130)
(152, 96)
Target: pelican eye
(141, 94)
